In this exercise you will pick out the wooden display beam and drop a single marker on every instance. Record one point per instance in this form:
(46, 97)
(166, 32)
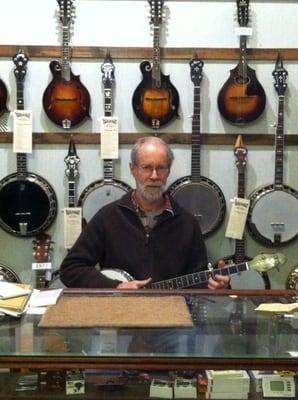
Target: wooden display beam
(170, 53)
(171, 138)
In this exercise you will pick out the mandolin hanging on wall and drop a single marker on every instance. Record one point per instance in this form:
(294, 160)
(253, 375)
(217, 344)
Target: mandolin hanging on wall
(242, 98)
(66, 100)
(155, 100)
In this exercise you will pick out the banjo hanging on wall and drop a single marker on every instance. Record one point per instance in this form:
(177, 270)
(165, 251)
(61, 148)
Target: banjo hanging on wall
(28, 203)
(101, 192)
(273, 212)
(198, 194)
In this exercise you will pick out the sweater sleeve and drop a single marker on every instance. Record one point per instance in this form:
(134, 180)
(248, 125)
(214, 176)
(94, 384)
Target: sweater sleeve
(78, 269)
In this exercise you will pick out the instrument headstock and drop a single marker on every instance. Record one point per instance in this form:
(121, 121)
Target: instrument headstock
(107, 69)
(20, 61)
(66, 12)
(42, 248)
(280, 76)
(243, 12)
(72, 160)
(196, 71)
(265, 262)
(240, 153)
(156, 11)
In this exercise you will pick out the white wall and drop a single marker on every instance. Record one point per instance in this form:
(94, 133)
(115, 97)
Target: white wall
(125, 23)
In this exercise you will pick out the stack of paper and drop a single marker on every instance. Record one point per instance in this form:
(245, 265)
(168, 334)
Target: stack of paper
(227, 384)
(14, 298)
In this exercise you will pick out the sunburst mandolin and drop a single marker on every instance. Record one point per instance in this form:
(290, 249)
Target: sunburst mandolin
(242, 98)
(66, 100)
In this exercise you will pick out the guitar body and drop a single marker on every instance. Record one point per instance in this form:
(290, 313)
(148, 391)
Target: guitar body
(28, 204)
(273, 215)
(204, 199)
(66, 103)
(155, 106)
(240, 100)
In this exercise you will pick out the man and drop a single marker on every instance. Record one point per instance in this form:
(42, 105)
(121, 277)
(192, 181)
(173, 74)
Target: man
(145, 233)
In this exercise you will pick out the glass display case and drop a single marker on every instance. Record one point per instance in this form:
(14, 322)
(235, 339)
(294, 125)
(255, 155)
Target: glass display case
(226, 333)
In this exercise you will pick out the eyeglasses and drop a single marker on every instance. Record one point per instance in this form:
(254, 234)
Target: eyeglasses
(148, 169)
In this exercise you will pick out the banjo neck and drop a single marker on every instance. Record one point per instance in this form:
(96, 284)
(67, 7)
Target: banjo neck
(279, 145)
(108, 79)
(20, 72)
(196, 136)
(240, 153)
(199, 277)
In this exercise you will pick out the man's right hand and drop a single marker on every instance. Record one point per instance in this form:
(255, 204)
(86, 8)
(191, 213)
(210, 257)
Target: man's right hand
(134, 284)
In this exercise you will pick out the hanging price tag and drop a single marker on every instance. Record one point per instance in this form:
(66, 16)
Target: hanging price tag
(109, 137)
(22, 131)
(237, 218)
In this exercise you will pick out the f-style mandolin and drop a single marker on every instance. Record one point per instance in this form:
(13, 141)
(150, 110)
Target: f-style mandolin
(242, 98)
(155, 101)
(66, 100)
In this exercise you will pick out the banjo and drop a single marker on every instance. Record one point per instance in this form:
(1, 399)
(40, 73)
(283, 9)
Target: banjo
(273, 212)
(28, 204)
(253, 279)
(102, 192)
(196, 193)
(260, 263)
(7, 274)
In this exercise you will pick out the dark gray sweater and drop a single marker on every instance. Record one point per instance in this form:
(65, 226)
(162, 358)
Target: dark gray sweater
(116, 238)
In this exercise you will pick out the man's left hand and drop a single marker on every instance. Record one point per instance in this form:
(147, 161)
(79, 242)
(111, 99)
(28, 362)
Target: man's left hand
(219, 282)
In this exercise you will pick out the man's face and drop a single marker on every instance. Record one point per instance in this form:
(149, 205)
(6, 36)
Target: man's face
(151, 171)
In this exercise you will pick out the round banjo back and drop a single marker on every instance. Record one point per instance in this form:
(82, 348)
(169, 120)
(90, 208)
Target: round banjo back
(28, 204)
(7, 274)
(203, 198)
(273, 215)
(100, 193)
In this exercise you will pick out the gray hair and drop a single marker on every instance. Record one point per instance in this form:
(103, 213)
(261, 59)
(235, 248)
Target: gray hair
(134, 154)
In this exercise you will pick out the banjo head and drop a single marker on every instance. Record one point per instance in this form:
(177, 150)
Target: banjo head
(7, 274)
(273, 215)
(99, 194)
(28, 204)
(203, 199)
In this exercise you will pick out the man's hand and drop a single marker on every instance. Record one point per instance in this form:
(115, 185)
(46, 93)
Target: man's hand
(134, 284)
(219, 282)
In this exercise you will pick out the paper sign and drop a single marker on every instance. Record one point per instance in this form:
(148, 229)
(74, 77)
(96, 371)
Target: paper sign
(22, 131)
(237, 218)
(72, 225)
(109, 137)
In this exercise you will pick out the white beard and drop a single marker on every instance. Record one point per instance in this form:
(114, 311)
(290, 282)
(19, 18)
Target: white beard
(151, 193)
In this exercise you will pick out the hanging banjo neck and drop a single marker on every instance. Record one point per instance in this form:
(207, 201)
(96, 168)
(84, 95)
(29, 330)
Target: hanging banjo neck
(104, 191)
(272, 217)
(28, 204)
(198, 194)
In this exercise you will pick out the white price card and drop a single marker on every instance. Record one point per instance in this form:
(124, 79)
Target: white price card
(22, 131)
(243, 31)
(72, 225)
(109, 137)
(237, 218)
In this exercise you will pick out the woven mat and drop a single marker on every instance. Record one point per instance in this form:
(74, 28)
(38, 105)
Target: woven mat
(120, 311)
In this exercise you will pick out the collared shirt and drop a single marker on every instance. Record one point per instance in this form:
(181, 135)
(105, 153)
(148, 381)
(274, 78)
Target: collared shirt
(149, 219)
